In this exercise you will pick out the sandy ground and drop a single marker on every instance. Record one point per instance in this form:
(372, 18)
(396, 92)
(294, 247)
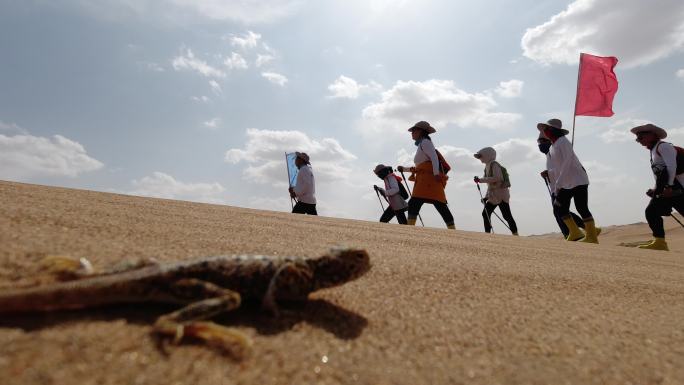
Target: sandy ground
(438, 306)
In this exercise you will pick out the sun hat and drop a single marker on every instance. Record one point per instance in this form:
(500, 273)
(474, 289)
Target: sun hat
(555, 125)
(423, 125)
(303, 156)
(379, 168)
(659, 132)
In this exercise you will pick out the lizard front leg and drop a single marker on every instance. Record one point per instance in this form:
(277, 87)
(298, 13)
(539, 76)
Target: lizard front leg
(209, 300)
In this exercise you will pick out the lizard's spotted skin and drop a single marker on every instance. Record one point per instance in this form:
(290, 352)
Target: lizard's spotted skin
(205, 287)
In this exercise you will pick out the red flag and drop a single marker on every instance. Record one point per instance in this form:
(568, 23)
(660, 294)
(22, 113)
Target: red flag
(596, 85)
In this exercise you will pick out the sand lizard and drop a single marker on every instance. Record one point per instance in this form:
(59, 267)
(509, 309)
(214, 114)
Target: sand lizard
(205, 287)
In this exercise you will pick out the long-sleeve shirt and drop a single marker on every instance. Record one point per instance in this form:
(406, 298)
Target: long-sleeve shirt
(426, 151)
(496, 192)
(391, 192)
(305, 189)
(664, 153)
(565, 169)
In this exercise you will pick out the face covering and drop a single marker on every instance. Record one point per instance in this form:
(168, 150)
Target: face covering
(544, 147)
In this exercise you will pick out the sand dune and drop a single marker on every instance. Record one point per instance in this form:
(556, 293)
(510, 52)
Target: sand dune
(438, 306)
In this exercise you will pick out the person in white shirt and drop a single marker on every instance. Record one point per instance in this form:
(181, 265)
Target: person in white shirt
(667, 193)
(428, 175)
(392, 192)
(570, 182)
(498, 193)
(305, 188)
(544, 145)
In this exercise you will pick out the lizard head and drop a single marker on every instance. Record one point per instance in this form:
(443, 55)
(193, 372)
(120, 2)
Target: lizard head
(340, 265)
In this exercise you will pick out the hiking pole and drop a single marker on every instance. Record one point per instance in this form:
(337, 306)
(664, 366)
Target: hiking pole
(489, 218)
(675, 218)
(410, 194)
(379, 200)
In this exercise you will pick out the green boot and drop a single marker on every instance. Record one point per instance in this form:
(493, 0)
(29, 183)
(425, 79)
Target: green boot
(590, 230)
(656, 244)
(575, 234)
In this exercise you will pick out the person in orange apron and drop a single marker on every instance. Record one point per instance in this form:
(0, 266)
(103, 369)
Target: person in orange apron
(429, 179)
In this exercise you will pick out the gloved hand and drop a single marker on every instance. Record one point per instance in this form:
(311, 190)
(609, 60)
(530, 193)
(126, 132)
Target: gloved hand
(484, 201)
(375, 187)
(400, 168)
(650, 192)
(544, 174)
(476, 179)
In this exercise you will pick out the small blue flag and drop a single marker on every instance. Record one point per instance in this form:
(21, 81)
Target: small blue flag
(292, 170)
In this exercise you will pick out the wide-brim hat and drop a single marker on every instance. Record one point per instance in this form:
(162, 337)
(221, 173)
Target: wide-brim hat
(554, 124)
(423, 125)
(303, 156)
(379, 168)
(659, 132)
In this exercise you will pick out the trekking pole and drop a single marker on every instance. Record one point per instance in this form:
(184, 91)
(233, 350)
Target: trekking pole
(548, 186)
(379, 200)
(489, 219)
(410, 194)
(675, 218)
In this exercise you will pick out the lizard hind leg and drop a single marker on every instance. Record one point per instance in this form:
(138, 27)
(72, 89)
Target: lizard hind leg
(206, 300)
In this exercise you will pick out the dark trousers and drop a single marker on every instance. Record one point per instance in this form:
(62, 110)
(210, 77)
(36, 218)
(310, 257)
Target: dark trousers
(659, 207)
(304, 208)
(416, 203)
(580, 195)
(389, 214)
(505, 210)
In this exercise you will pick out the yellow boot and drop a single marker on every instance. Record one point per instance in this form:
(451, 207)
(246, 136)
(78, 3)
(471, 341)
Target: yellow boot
(411, 221)
(656, 244)
(575, 233)
(451, 227)
(591, 232)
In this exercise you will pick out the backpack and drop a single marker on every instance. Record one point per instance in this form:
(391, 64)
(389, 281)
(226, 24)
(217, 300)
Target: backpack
(444, 167)
(680, 157)
(506, 178)
(402, 190)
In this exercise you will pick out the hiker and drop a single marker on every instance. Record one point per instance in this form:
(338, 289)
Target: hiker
(393, 193)
(544, 145)
(305, 188)
(570, 182)
(498, 193)
(667, 193)
(428, 176)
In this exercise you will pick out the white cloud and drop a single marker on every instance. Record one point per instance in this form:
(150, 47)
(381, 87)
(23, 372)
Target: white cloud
(275, 78)
(11, 128)
(236, 61)
(201, 99)
(438, 101)
(619, 130)
(680, 73)
(161, 185)
(27, 156)
(216, 87)
(510, 89)
(246, 11)
(263, 59)
(265, 151)
(213, 123)
(516, 151)
(637, 32)
(248, 41)
(188, 61)
(348, 88)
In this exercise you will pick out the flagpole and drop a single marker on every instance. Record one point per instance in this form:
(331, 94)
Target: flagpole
(574, 114)
(289, 183)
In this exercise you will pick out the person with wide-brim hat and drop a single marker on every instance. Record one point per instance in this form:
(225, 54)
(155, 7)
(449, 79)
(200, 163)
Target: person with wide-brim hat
(305, 188)
(397, 205)
(570, 182)
(667, 193)
(544, 145)
(428, 176)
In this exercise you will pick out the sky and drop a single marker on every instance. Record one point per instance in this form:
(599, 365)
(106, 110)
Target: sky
(200, 99)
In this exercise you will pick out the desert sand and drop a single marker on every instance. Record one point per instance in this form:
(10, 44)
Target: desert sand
(437, 307)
